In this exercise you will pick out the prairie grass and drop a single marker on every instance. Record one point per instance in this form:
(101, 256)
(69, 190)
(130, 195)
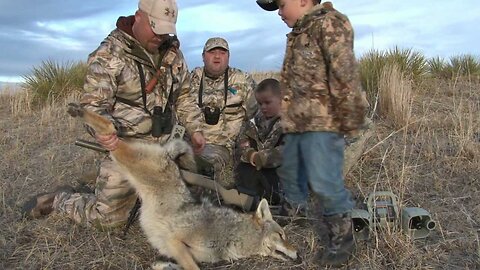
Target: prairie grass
(458, 66)
(258, 76)
(412, 65)
(395, 96)
(52, 81)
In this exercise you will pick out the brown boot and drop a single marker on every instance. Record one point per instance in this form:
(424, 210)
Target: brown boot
(42, 204)
(341, 244)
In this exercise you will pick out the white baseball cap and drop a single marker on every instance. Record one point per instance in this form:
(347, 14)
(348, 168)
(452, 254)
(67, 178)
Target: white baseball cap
(162, 15)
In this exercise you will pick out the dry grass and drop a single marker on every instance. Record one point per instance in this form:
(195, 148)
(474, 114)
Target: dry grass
(431, 161)
(395, 96)
(260, 75)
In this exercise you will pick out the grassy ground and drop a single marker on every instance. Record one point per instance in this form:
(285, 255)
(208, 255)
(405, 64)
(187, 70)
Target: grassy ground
(432, 161)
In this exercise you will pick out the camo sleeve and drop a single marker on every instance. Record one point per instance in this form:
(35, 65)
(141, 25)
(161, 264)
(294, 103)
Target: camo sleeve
(271, 156)
(336, 40)
(100, 84)
(187, 109)
(269, 151)
(244, 147)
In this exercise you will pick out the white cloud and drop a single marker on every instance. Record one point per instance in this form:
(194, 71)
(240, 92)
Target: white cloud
(216, 18)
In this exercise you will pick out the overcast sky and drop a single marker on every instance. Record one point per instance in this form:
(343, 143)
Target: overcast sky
(68, 30)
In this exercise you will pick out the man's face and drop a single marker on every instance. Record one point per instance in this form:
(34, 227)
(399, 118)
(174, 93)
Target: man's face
(291, 10)
(216, 61)
(144, 33)
(269, 103)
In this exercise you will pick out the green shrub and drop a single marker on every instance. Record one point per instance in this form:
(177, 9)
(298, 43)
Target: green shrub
(438, 67)
(52, 81)
(465, 65)
(412, 65)
(371, 65)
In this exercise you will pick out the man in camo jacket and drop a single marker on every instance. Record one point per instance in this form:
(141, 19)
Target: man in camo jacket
(139, 66)
(225, 95)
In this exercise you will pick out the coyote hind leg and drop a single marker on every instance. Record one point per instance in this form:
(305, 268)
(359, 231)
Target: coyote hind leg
(100, 124)
(181, 253)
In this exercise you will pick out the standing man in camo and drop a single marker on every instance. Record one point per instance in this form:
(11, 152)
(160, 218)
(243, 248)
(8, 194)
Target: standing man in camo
(138, 78)
(225, 96)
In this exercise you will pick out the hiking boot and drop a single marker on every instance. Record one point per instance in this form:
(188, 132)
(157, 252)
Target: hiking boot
(341, 244)
(42, 204)
(288, 214)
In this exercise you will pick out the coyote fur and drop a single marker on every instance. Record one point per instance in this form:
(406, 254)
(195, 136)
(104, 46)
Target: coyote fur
(176, 224)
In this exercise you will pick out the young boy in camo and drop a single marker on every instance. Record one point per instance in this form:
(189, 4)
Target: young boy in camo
(225, 95)
(259, 146)
(139, 66)
(322, 102)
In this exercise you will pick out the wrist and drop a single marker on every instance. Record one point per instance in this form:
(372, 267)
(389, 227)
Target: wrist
(252, 158)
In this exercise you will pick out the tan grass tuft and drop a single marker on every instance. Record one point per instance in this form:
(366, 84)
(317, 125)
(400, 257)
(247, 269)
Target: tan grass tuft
(395, 96)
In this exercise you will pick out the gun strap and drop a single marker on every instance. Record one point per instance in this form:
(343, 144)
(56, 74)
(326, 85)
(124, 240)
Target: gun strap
(133, 216)
(142, 85)
(163, 50)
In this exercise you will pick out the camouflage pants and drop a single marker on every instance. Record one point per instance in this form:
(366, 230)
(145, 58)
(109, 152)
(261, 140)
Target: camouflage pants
(216, 161)
(109, 206)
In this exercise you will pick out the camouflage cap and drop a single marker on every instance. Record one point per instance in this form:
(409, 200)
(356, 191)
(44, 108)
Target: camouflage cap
(215, 42)
(162, 15)
(268, 5)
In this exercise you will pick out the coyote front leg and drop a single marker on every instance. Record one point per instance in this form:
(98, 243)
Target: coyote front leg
(103, 126)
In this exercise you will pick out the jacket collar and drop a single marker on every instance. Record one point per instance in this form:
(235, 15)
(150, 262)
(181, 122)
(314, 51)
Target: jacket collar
(315, 11)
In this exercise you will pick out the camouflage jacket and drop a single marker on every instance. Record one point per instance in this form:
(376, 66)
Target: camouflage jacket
(241, 104)
(112, 86)
(319, 78)
(261, 135)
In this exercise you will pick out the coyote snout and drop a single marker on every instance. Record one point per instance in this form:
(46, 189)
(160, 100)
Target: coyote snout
(177, 225)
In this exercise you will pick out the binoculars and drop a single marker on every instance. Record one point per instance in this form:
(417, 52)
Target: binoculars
(383, 212)
(161, 121)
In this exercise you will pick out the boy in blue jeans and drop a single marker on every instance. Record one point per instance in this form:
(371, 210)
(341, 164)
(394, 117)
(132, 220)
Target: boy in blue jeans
(321, 103)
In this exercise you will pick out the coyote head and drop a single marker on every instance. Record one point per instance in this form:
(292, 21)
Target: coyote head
(274, 241)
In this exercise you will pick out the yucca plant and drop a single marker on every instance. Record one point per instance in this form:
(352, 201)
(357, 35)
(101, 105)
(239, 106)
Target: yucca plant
(51, 81)
(438, 67)
(412, 64)
(465, 65)
(371, 65)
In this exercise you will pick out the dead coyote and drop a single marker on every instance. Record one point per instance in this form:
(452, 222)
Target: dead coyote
(177, 225)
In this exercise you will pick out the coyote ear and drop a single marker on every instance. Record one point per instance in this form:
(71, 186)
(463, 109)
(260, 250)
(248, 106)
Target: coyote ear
(263, 211)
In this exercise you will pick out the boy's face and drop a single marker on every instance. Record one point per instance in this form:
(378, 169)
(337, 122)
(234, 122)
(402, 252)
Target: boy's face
(269, 103)
(291, 10)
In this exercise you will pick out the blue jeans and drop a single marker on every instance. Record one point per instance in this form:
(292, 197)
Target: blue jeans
(315, 158)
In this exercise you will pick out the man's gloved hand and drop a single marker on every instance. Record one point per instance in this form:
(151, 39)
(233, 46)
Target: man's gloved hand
(109, 142)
